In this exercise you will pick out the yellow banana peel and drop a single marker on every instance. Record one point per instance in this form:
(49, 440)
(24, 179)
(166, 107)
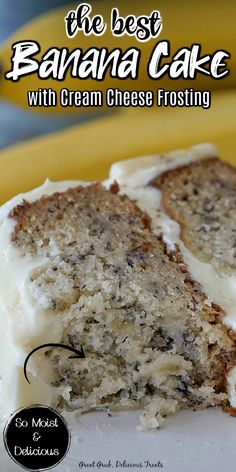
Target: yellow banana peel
(211, 23)
(86, 152)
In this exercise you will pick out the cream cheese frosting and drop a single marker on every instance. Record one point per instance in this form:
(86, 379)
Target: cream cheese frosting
(24, 323)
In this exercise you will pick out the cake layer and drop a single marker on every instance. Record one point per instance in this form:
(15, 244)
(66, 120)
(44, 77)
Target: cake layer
(201, 197)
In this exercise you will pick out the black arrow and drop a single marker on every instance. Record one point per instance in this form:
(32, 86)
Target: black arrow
(78, 354)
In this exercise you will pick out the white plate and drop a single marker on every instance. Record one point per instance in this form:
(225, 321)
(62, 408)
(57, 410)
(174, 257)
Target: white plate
(187, 442)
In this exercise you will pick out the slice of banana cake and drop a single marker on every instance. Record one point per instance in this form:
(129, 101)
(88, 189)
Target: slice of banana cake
(151, 337)
(201, 197)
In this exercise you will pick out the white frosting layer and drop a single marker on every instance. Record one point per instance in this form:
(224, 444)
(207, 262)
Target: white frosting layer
(25, 325)
(141, 170)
